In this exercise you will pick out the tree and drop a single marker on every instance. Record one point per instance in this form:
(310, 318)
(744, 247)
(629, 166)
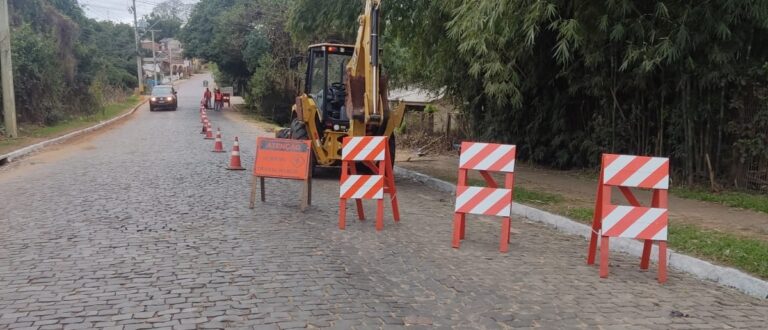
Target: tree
(66, 64)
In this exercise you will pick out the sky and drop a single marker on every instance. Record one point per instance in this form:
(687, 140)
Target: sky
(117, 10)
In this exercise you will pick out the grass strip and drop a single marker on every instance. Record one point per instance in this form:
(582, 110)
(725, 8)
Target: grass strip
(742, 200)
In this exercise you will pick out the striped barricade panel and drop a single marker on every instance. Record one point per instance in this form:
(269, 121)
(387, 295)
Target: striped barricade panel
(636, 171)
(362, 187)
(487, 157)
(484, 201)
(364, 148)
(635, 222)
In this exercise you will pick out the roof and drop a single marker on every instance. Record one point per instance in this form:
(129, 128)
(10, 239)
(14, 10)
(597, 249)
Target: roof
(415, 95)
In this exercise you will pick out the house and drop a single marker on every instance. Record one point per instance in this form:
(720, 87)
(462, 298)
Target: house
(149, 45)
(415, 99)
(173, 61)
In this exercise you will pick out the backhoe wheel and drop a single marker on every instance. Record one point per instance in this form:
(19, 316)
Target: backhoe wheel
(392, 147)
(298, 131)
(284, 133)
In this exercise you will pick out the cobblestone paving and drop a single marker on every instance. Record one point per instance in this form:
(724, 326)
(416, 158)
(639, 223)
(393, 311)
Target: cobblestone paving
(146, 229)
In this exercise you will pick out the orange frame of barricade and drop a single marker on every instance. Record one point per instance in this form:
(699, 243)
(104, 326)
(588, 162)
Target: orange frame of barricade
(459, 219)
(382, 168)
(659, 199)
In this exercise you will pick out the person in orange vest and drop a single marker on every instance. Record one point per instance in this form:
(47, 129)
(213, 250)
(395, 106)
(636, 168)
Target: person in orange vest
(218, 99)
(207, 98)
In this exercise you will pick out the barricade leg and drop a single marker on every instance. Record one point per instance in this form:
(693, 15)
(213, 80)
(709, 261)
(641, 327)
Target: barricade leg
(393, 198)
(506, 225)
(360, 210)
(458, 229)
(646, 258)
(604, 256)
(462, 229)
(342, 214)
(395, 208)
(379, 214)
(597, 219)
(593, 242)
(662, 261)
(389, 180)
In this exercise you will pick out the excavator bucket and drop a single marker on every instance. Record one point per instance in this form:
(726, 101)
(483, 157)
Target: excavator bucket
(355, 100)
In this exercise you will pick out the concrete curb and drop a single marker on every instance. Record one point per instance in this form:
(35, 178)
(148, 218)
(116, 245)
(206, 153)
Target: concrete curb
(699, 268)
(14, 155)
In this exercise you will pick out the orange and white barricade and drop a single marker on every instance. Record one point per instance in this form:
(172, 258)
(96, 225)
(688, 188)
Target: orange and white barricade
(635, 221)
(490, 200)
(373, 152)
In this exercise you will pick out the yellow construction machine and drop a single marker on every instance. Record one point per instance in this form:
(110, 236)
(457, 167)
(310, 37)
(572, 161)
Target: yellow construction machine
(345, 94)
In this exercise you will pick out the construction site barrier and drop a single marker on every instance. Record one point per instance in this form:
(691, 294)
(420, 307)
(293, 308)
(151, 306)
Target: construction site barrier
(374, 153)
(490, 200)
(634, 221)
(282, 159)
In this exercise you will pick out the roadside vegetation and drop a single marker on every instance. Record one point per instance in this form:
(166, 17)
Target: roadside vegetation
(673, 78)
(67, 66)
(742, 200)
(747, 254)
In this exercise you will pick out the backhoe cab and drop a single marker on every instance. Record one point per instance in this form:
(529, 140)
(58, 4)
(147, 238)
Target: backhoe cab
(324, 83)
(345, 94)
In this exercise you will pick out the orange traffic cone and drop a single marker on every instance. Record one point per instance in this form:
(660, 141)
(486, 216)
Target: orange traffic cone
(205, 126)
(218, 146)
(234, 160)
(208, 131)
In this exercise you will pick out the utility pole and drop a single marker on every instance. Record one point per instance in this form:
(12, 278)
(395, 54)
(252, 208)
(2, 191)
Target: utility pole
(154, 56)
(9, 101)
(138, 53)
(170, 58)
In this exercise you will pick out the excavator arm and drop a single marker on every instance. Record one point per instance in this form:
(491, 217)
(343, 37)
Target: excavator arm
(366, 102)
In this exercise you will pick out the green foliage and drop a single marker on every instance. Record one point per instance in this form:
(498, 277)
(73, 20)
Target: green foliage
(166, 26)
(66, 65)
(313, 21)
(566, 81)
(741, 200)
(581, 214)
(36, 69)
(563, 81)
(538, 197)
(251, 49)
(750, 255)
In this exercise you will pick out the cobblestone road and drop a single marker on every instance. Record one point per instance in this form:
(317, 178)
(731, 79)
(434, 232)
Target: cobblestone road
(144, 228)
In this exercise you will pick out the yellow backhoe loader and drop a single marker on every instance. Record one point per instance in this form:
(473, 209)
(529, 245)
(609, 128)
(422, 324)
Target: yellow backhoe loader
(345, 94)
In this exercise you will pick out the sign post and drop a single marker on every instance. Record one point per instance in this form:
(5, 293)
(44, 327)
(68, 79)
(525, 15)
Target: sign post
(282, 159)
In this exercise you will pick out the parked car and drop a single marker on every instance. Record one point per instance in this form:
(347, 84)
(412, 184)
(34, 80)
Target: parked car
(163, 97)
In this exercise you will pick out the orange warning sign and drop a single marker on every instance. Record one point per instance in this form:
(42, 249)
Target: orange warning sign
(282, 158)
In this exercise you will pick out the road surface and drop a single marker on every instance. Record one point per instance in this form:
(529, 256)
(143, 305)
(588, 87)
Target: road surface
(142, 227)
